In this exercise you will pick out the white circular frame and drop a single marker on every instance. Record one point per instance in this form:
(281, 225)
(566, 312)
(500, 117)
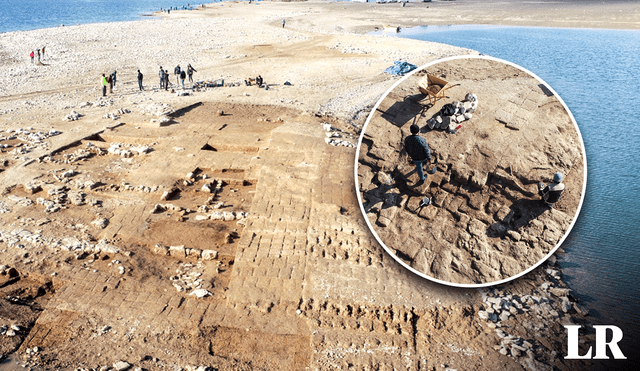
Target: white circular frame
(465, 285)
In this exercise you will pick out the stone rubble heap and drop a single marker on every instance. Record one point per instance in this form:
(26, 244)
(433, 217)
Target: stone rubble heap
(10, 331)
(156, 109)
(188, 277)
(182, 252)
(126, 186)
(462, 111)
(128, 150)
(30, 139)
(531, 311)
(116, 115)
(72, 116)
(334, 136)
(22, 238)
(81, 154)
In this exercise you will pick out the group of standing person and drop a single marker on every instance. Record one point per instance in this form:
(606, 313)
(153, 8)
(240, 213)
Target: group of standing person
(38, 52)
(181, 75)
(108, 80)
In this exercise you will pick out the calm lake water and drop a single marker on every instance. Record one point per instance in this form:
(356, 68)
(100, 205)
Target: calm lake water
(597, 74)
(34, 14)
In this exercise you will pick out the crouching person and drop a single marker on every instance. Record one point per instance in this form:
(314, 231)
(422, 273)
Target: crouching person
(552, 192)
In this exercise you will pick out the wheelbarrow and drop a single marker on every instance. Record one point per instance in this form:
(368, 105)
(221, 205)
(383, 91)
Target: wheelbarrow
(434, 88)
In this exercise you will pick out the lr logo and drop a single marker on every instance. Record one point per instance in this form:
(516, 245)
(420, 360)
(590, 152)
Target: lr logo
(601, 342)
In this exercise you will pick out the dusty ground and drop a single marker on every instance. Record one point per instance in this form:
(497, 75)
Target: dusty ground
(486, 223)
(301, 268)
(298, 282)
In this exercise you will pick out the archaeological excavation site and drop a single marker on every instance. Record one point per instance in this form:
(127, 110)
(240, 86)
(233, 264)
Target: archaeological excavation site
(222, 236)
(495, 132)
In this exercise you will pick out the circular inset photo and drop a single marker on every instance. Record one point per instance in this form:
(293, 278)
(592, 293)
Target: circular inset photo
(471, 171)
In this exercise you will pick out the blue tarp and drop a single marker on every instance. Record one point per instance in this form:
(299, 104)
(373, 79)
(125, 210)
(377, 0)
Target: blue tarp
(400, 68)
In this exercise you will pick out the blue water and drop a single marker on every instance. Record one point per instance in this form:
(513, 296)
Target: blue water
(34, 14)
(597, 74)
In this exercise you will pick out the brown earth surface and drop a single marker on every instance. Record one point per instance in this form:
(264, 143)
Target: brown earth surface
(487, 222)
(300, 284)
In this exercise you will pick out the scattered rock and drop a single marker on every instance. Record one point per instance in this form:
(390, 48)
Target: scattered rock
(121, 366)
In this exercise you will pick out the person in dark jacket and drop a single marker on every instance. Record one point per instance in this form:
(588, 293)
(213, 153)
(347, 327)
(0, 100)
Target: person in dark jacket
(552, 192)
(161, 76)
(183, 76)
(417, 148)
(140, 76)
(176, 71)
(110, 82)
(166, 79)
(190, 71)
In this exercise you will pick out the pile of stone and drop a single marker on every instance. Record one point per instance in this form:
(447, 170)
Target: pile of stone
(228, 216)
(49, 205)
(531, 311)
(156, 109)
(159, 208)
(88, 184)
(31, 140)
(10, 331)
(82, 154)
(128, 150)
(209, 84)
(349, 49)
(104, 102)
(116, 115)
(452, 114)
(75, 245)
(20, 200)
(182, 252)
(210, 188)
(101, 223)
(140, 188)
(19, 237)
(162, 121)
(335, 136)
(207, 207)
(72, 116)
(4, 208)
(189, 277)
(24, 239)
